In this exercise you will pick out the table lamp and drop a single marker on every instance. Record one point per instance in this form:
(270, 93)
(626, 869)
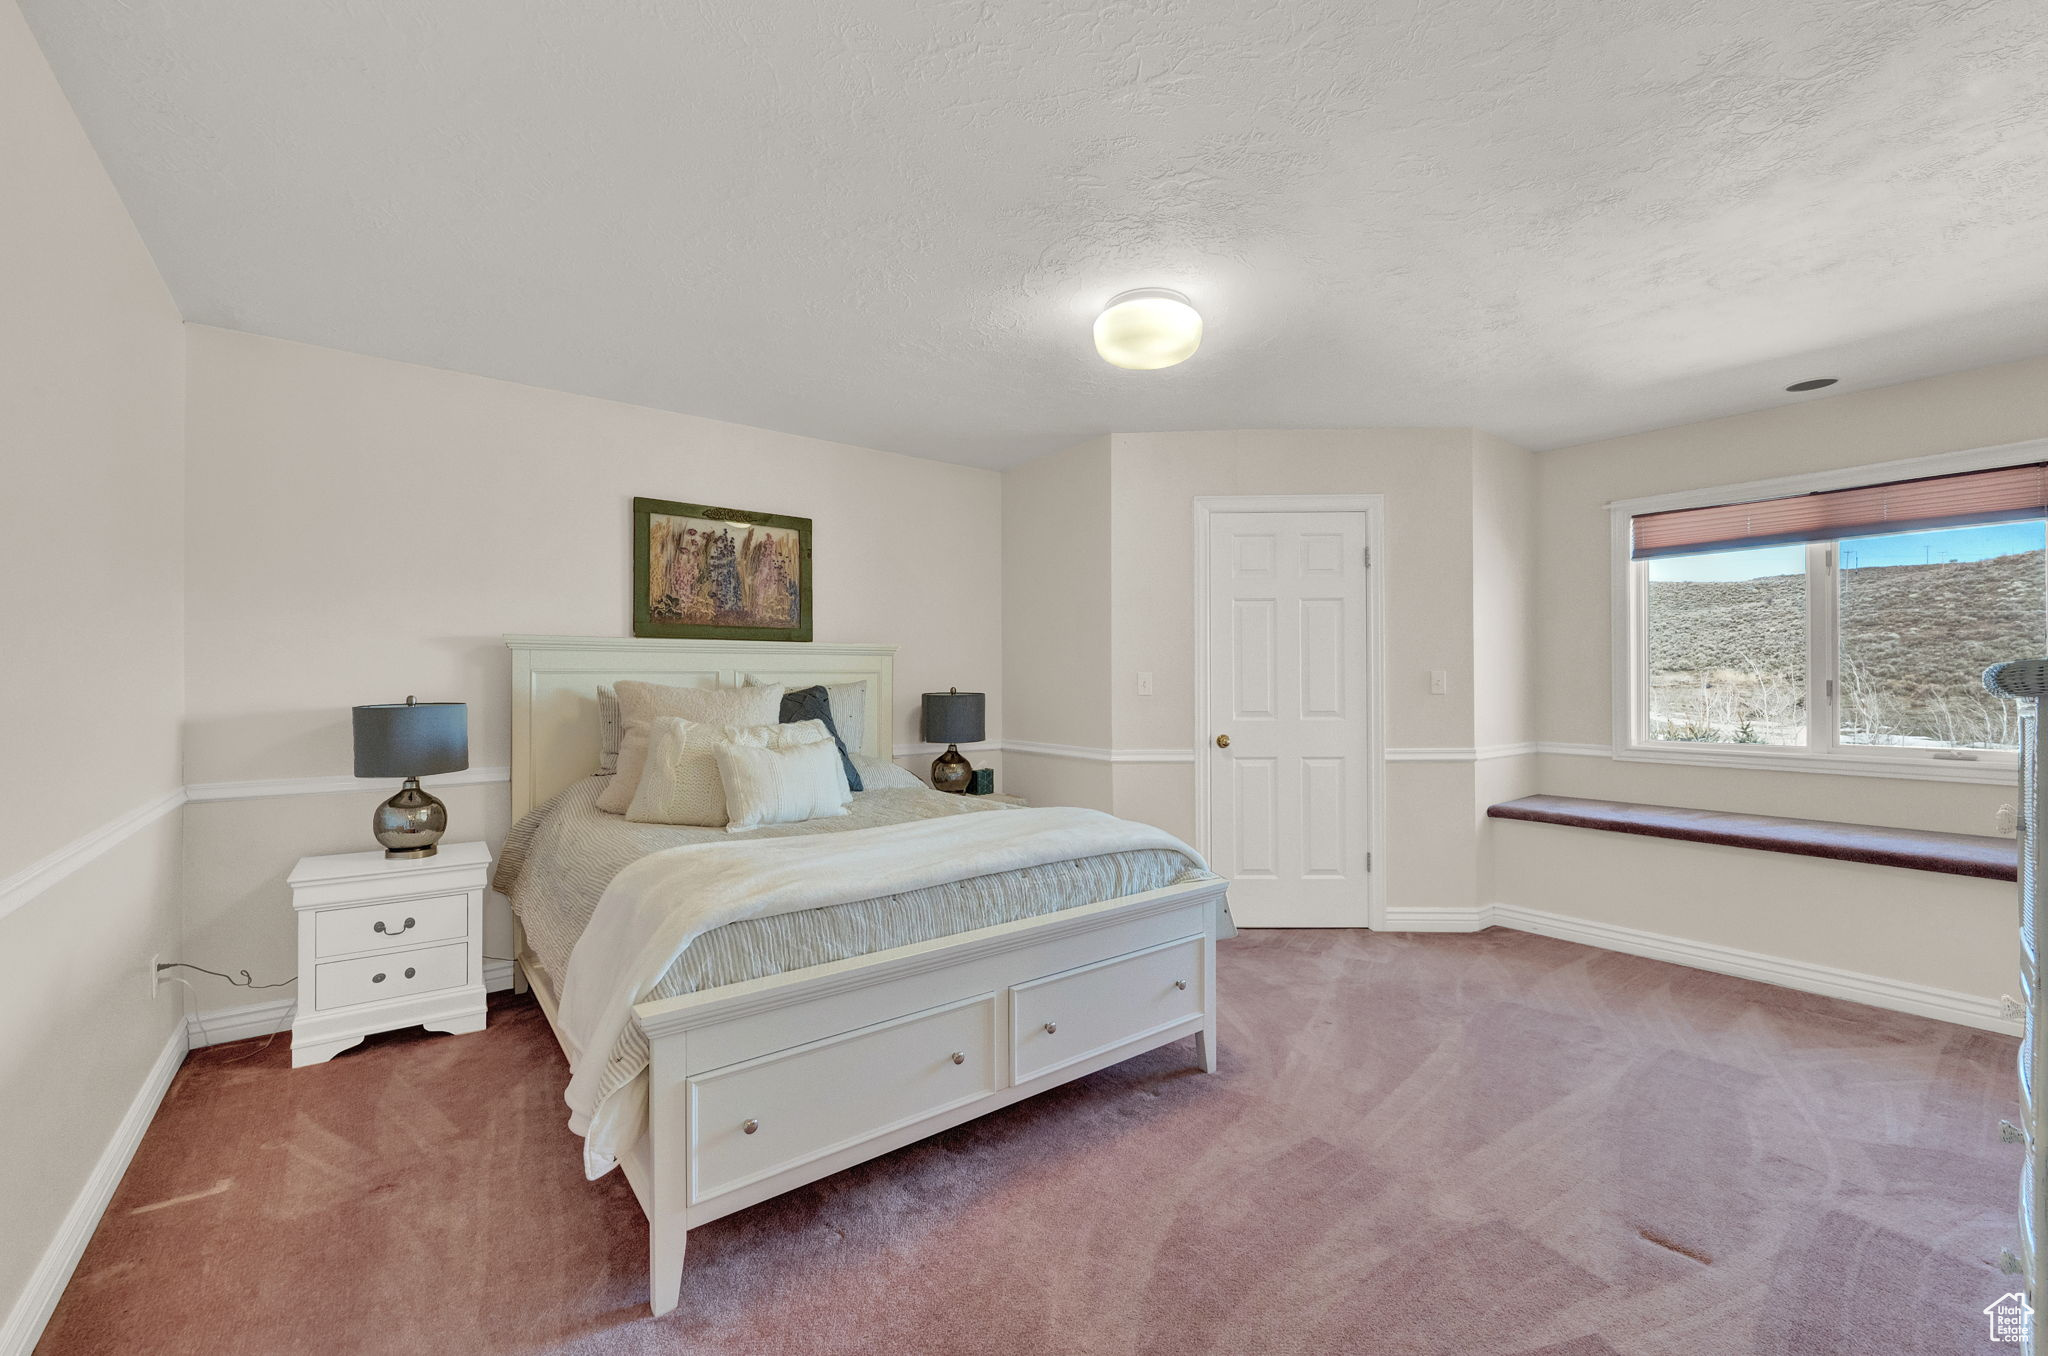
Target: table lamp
(953, 718)
(411, 741)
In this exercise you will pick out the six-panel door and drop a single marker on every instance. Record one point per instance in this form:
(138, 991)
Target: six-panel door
(1289, 691)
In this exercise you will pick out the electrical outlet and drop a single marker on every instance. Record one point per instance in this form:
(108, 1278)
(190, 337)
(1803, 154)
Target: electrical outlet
(1439, 682)
(155, 975)
(1144, 685)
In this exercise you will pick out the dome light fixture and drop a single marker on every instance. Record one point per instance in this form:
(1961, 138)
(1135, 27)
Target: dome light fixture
(1148, 328)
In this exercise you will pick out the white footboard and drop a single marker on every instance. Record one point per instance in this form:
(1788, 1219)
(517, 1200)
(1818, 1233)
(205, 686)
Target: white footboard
(760, 1087)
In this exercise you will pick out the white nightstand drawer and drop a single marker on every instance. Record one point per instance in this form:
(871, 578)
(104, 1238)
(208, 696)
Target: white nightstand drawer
(1065, 1018)
(396, 974)
(341, 932)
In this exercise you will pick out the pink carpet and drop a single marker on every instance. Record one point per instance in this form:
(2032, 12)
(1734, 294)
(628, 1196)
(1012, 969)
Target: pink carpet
(1460, 1144)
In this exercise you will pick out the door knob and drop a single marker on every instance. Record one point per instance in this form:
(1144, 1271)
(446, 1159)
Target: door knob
(1222, 741)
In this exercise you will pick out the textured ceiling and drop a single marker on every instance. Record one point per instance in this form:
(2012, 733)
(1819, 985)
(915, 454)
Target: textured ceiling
(890, 222)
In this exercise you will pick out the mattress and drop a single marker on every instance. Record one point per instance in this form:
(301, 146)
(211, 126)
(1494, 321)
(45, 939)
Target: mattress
(558, 859)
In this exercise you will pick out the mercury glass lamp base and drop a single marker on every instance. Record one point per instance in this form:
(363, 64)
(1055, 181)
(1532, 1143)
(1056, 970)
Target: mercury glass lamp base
(411, 822)
(951, 772)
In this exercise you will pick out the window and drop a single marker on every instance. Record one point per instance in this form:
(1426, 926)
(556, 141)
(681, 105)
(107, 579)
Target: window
(1842, 629)
(1922, 615)
(1727, 647)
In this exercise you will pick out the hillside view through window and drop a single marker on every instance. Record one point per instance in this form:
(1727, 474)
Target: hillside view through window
(1920, 616)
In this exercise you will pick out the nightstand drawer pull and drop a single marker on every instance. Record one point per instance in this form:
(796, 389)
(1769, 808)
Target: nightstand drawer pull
(750, 1127)
(379, 927)
(393, 978)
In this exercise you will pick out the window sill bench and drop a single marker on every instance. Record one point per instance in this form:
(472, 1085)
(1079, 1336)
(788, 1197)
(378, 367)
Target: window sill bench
(1954, 854)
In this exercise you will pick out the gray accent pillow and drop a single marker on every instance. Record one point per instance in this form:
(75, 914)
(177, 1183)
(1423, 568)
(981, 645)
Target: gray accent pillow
(814, 703)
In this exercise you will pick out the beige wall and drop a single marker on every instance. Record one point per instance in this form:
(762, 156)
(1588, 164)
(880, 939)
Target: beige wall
(1929, 929)
(1144, 601)
(364, 529)
(1982, 408)
(1056, 624)
(1426, 478)
(91, 595)
(1504, 479)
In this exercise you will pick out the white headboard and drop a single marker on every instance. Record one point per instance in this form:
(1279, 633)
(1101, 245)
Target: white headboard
(555, 681)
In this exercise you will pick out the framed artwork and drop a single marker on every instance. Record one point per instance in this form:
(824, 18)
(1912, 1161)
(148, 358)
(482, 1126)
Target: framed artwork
(704, 573)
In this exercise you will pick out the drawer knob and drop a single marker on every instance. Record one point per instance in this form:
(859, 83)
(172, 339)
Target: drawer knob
(959, 1058)
(410, 972)
(1180, 984)
(750, 1127)
(379, 927)
(377, 978)
(1051, 1028)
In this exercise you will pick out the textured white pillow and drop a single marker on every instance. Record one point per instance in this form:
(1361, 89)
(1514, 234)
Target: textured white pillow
(849, 703)
(640, 704)
(877, 774)
(607, 731)
(680, 784)
(782, 786)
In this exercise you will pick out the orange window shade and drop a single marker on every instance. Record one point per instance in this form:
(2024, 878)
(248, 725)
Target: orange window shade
(2007, 494)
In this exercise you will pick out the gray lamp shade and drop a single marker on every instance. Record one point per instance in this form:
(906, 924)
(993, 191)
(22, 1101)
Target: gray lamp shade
(954, 717)
(404, 739)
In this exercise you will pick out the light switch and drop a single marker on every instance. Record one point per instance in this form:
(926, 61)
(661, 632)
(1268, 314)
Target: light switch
(1439, 682)
(1144, 685)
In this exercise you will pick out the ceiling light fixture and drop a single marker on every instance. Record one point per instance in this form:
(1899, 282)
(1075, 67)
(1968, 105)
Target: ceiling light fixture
(1148, 328)
(1813, 385)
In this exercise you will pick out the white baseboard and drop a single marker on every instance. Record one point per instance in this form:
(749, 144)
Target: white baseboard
(24, 1324)
(1898, 995)
(270, 1018)
(275, 1016)
(1439, 920)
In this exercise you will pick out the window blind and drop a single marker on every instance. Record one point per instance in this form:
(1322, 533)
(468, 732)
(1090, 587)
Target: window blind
(2006, 494)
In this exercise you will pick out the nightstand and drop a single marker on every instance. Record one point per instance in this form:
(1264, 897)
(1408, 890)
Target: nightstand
(388, 942)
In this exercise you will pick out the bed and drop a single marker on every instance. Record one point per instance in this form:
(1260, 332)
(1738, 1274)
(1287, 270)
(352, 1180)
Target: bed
(771, 1051)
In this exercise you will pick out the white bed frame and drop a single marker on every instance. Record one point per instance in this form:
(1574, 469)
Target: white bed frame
(761, 1087)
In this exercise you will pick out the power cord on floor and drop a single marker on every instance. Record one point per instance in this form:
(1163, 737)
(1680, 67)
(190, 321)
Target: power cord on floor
(247, 981)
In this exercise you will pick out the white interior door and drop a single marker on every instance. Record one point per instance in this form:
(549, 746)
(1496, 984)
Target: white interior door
(1289, 737)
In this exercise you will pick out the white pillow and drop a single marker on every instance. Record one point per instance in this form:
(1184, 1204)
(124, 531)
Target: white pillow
(679, 783)
(782, 786)
(877, 774)
(849, 703)
(607, 731)
(640, 704)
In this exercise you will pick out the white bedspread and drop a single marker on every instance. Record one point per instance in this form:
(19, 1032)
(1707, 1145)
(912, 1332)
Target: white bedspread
(657, 906)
